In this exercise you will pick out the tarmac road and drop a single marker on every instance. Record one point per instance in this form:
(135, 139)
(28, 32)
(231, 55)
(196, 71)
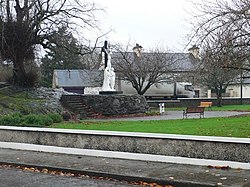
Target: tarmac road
(168, 115)
(11, 177)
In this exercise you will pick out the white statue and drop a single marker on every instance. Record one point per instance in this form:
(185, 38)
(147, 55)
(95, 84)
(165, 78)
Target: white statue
(109, 74)
(109, 60)
(106, 80)
(112, 79)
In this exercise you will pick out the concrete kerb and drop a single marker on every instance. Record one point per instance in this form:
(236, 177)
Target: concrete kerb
(114, 176)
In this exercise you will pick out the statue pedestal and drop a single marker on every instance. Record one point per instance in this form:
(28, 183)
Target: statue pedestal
(110, 92)
(106, 105)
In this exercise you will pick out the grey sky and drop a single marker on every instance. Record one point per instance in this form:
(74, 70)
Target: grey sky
(149, 23)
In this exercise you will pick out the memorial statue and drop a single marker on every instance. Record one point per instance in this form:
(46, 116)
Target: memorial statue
(112, 79)
(106, 80)
(109, 74)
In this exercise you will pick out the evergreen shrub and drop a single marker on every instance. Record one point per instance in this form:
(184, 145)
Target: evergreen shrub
(30, 120)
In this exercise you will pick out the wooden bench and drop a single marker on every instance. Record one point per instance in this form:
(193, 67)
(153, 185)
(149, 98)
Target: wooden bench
(193, 110)
(206, 105)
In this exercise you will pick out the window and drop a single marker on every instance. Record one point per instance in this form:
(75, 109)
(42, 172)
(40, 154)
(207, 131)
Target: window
(189, 87)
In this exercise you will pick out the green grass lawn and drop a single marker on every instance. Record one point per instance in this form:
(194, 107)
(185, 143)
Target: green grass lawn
(229, 127)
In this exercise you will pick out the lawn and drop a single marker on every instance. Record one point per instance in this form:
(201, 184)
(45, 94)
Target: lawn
(228, 127)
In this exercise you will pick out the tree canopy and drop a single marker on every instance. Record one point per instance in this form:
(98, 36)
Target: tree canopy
(141, 69)
(215, 73)
(62, 54)
(24, 24)
(228, 22)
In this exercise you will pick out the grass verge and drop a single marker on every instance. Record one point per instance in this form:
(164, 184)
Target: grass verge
(227, 127)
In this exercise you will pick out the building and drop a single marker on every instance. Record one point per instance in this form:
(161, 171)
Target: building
(235, 90)
(182, 66)
(90, 81)
(77, 81)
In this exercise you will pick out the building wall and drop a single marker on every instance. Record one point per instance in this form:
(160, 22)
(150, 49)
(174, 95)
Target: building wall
(234, 91)
(92, 90)
(78, 90)
(246, 91)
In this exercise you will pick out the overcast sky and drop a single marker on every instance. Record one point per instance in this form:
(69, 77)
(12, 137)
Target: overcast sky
(149, 23)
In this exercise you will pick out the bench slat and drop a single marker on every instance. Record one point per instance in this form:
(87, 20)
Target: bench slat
(192, 110)
(207, 104)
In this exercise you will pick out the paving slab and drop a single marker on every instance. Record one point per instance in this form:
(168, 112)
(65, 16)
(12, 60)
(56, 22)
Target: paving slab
(132, 170)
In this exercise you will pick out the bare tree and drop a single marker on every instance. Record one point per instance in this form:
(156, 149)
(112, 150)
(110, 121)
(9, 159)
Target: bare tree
(27, 23)
(221, 16)
(143, 69)
(214, 71)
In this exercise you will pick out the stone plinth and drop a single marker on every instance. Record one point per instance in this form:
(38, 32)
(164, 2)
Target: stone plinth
(116, 104)
(106, 104)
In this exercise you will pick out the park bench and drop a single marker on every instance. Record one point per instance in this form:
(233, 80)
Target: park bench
(206, 104)
(193, 110)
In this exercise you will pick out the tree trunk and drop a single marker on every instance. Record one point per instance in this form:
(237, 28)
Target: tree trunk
(19, 74)
(219, 99)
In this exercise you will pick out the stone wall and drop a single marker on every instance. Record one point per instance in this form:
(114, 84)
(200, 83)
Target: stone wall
(108, 105)
(116, 104)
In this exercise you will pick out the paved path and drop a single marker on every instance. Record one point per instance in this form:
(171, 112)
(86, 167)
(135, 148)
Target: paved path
(129, 170)
(179, 115)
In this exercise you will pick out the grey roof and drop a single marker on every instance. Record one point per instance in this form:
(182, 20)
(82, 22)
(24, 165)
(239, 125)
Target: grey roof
(180, 61)
(76, 78)
(184, 61)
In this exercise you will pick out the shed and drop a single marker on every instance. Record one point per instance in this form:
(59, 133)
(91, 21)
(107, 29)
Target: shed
(76, 80)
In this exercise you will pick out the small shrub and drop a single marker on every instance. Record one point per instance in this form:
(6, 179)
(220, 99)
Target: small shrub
(57, 118)
(11, 120)
(66, 116)
(17, 115)
(31, 120)
(37, 120)
(47, 120)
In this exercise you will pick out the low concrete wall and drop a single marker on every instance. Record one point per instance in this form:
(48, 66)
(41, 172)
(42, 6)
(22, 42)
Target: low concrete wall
(217, 148)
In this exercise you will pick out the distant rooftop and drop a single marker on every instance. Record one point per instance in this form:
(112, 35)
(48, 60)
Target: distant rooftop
(182, 61)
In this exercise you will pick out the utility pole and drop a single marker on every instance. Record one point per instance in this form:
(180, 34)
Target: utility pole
(241, 87)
